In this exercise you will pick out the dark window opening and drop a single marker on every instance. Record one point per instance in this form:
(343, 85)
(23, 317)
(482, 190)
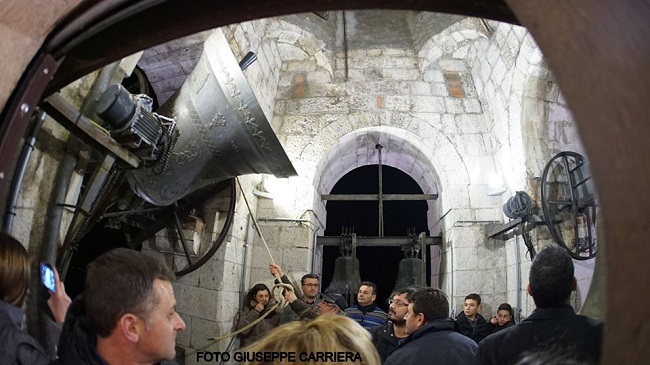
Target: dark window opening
(376, 264)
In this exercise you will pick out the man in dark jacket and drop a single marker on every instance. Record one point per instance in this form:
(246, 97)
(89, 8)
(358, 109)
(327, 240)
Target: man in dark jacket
(309, 285)
(331, 303)
(553, 325)
(387, 336)
(432, 339)
(471, 322)
(127, 315)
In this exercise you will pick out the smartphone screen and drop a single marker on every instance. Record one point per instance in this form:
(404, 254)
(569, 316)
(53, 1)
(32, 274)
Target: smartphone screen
(47, 276)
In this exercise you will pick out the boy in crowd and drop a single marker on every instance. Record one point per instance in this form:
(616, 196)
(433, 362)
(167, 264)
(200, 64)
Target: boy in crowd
(503, 319)
(471, 322)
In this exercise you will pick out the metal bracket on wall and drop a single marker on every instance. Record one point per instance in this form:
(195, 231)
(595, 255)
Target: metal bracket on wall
(518, 226)
(508, 230)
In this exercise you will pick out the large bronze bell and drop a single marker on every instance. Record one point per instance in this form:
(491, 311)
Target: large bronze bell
(346, 279)
(409, 273)
(221, 131)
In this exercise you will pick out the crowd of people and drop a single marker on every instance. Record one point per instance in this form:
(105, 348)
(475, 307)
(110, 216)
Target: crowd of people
(418, 328)
(127, 315)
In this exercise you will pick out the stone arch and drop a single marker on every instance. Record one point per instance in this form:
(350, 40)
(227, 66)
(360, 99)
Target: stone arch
(538, 113)
(282, 44)
(572, 35)
(454, 39)
(297, 44)
(426, 161)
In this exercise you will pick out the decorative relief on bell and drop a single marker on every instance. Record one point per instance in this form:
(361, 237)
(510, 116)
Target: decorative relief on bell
(218, 121)
(243, 107)
(234, 146)
(261, 141)
(191, 152)
(213, 147)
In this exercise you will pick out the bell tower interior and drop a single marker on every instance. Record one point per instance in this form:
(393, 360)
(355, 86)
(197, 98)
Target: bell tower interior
(362, 217)
(458, 102)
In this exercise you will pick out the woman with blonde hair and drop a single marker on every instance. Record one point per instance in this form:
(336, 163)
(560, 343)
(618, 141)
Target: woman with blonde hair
(16, 346)
(328, 339)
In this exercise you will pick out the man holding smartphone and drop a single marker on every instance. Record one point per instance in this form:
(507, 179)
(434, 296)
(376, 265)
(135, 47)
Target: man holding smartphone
(126, 316)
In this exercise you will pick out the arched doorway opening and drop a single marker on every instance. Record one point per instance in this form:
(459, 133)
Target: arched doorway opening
(378, 264)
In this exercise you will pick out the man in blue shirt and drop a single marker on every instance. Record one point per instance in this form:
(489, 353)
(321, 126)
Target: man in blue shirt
(366, 312)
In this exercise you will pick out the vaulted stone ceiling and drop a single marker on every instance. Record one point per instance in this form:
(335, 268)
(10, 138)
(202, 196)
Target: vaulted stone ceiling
(168, 65)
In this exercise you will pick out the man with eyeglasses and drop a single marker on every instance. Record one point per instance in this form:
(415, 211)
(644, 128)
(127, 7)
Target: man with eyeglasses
(387, 336)
(332, 303)
(309, 284)
(431, 335)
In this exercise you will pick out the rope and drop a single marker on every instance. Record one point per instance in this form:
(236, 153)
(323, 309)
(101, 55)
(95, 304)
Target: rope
(257, 227)
(281, 303)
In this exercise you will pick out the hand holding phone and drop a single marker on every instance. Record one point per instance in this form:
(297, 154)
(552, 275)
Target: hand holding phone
(47, 277)
(59, 300)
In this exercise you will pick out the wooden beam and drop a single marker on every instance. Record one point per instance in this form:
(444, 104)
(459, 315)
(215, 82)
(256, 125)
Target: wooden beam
(359, 197)
(378, 241)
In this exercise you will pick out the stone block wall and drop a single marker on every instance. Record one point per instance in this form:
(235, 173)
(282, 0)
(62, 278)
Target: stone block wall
(209, 298)
(529, 124)
(35, 195)
(461, 93)
(525, 117)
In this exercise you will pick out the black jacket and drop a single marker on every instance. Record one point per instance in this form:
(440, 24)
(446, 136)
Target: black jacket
(435, 343)
(496, 328)
(78, 342)
(384, 339)
(16, 345)
(303, 310)
(299, 309)
(476, 333)
(546, 328)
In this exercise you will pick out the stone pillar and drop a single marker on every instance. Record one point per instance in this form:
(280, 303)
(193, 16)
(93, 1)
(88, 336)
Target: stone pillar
(475, 266)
